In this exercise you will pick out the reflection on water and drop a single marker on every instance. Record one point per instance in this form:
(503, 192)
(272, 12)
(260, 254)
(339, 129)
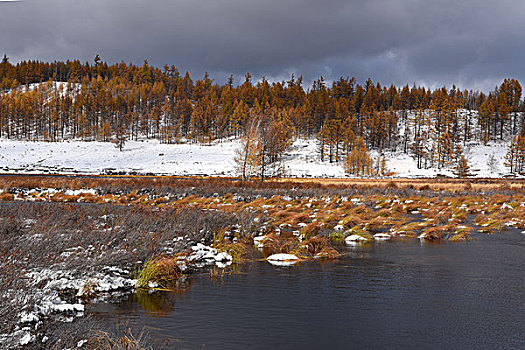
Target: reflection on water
(389, 295)
(155, 304)
(160, 303)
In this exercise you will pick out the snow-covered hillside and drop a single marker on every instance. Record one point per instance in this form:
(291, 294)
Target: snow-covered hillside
(152, 157)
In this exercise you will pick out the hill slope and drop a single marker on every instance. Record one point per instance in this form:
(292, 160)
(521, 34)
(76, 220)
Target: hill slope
(217, 159)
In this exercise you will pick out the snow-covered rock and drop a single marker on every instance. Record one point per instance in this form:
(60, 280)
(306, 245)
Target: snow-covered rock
(223, 256)
(382, 236)
(26, 339)
(353, 239)
(204, 255)
(282, 259)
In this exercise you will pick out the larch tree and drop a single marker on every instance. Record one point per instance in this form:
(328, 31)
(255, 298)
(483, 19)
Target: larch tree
(461, 169)
(515, 157)
(120, 137)
(358, 162)
(380, 166)
(274, 142)
(445, 151)
(485, 116)
(239, 117)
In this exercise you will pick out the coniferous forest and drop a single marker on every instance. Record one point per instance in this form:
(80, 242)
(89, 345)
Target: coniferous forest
(102, 102)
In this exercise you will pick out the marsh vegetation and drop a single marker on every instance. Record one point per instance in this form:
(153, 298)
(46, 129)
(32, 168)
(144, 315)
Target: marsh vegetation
(66, 242)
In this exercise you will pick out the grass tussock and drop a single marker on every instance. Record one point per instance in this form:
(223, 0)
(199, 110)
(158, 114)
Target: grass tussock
(314, 247)
(320, 247)
(239, 251)
(6, 197)
(337, 237)
(436, 233)
(312, 229)
(106, 341)
(274, 244)
(461, 234)
(360, 231)
(410, 229)
(161, 273)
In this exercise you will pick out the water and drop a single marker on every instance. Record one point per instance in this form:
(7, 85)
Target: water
(394, 295)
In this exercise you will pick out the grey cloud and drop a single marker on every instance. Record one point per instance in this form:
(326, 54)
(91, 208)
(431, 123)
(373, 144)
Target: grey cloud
(472, 43)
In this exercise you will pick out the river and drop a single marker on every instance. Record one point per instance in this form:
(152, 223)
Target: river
(390, 295)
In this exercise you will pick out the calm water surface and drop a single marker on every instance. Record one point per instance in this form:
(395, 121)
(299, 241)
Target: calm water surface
(393, 295)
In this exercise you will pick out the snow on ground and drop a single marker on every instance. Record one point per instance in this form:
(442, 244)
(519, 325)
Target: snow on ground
(50, 87)
(478, 156)
(152, 157)
(303, 160)
(99, 157)
(479, 159)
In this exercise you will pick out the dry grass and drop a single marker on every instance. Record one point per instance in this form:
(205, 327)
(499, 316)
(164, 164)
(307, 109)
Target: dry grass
(274, 244)
(320, 247)
(461, 234)
(162, 272)
(457, 185)
(434, 233)
(142, 214)
(222, 186)
(106, 341)
(313, 229)
(410, 229)
(337, 237)
(6, 197)
(239, 251)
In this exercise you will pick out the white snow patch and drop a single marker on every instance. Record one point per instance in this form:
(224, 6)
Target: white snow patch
(26, 338)
(282, 259)
(204, 255)
(353, 239)
(28, 317)
(382, 236)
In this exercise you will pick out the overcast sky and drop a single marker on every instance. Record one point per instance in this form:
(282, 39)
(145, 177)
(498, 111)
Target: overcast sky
(471, 43)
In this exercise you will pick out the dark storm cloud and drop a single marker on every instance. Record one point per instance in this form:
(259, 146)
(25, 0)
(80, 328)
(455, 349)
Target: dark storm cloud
(471, 43)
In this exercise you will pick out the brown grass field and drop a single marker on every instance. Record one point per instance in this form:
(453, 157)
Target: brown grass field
(137, 182)
(435, 184)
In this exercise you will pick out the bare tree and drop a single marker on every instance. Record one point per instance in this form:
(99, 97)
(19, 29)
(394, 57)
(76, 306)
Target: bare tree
(248, 155)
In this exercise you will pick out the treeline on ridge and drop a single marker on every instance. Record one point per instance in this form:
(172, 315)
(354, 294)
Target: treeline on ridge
(97, 101)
